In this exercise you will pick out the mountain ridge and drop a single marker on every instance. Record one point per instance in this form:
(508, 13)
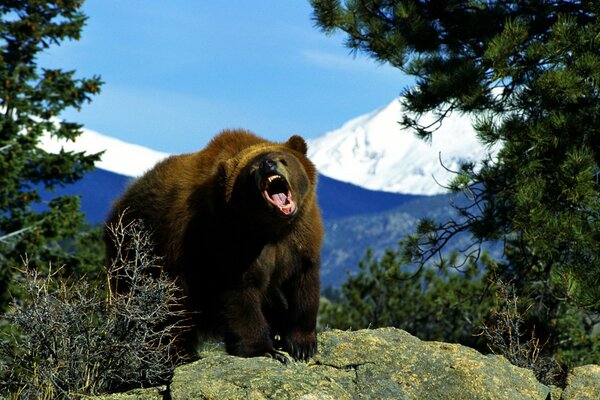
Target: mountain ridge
(370, 151)
(373, 151)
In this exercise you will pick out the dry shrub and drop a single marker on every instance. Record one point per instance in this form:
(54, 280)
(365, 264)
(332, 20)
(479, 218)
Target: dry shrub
(505, 335)
(72, 338)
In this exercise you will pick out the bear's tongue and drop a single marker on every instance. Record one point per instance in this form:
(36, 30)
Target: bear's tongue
(280, 199)
(283, 202)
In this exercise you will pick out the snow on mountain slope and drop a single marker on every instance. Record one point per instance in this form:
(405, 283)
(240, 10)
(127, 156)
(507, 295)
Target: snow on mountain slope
(373, 152)
(370, 151)
(119, 157)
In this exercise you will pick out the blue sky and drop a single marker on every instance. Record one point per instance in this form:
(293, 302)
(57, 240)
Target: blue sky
(177, 72)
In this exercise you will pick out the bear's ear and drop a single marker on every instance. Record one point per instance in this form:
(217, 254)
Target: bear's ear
(297, 143)
(226, 168)
(226, 173)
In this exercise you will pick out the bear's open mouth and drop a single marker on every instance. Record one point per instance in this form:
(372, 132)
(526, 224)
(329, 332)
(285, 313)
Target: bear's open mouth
(277, 192)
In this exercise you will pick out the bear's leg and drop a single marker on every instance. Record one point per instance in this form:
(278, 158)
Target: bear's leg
(299, 324)
(247, 333)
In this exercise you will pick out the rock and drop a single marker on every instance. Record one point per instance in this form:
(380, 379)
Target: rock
(583, 383)
(390, 363)
(221, 376)
(157, 393)
(382, 363)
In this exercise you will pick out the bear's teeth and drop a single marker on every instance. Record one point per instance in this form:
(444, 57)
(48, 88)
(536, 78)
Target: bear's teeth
(273, 177)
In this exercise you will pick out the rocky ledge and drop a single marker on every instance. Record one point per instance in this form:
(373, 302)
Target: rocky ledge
(382, 363)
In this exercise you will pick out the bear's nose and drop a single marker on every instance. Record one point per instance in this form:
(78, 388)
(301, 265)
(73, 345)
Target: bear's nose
(267, 165)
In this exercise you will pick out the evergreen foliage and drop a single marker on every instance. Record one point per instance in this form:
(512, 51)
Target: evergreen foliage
(442, 305)
(31, 101)
(528, 73)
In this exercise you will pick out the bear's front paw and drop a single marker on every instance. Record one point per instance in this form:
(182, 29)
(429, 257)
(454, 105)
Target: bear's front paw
(301, 345)
(251, 347)
(277, 355)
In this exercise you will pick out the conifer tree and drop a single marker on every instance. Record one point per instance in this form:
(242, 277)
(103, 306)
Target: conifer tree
(31, 102)
(528, 72)
(441, 305)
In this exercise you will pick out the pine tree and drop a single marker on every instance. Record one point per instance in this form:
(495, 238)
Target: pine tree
(31, 102)
(442, 305)
(528, 72)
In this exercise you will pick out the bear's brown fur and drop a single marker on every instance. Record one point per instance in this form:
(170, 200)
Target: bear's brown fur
(238, 225)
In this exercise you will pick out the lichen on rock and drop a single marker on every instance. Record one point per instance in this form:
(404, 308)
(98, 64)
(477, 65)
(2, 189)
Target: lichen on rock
(384, 363)
(391, 363)
(583, 383)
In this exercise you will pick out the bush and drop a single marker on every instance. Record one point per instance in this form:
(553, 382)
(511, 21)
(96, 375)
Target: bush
(73, 337)
(506, 334)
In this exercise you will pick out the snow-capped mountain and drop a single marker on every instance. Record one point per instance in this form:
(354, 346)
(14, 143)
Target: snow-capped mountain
(370, 151)
(373, 152)
(122, 161)
(119, 157)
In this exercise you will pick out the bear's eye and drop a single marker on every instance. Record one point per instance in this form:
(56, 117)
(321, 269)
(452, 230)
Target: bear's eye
(284, 162)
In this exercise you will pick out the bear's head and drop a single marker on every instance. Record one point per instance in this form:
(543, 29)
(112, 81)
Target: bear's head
(270, 181)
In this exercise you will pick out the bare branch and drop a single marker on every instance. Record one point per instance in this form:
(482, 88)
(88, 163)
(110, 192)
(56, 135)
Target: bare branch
(69, 337)
(5, 238)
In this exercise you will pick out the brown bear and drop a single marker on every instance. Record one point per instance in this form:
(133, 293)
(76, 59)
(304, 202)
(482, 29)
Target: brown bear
(238, 226)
